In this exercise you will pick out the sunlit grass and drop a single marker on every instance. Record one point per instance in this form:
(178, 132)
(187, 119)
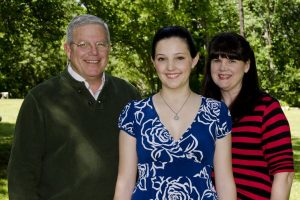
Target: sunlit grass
(8, 111)
(295, 193)
(293, 116)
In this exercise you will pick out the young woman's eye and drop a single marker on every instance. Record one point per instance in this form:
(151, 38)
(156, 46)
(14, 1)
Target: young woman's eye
(160, 59)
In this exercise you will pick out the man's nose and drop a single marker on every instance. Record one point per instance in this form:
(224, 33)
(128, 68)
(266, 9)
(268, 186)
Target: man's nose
(94, 50)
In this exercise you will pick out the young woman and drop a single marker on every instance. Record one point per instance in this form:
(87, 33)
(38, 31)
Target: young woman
(262, 153)
(175, 137)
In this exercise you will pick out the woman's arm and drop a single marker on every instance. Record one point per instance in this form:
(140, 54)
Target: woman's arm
(127, 167)
(225, 185)
(278, 150)
(281, 186)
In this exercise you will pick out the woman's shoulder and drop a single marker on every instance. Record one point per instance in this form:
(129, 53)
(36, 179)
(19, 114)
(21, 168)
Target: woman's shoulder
(137, 104)
(208, 99)
(266, 99)
(211, 101)
(142, 101)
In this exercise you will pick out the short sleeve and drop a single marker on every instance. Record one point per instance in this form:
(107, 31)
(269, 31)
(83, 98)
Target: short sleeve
(127, 119)
(277, 144)
(225, 123)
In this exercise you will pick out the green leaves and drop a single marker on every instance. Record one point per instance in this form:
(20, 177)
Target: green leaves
(32, 33)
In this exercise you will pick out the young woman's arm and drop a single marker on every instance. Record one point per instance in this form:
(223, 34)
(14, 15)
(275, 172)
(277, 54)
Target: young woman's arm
(127, 167)
(225, 185)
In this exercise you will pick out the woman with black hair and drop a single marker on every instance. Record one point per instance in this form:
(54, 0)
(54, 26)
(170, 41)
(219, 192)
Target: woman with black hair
(175, 137)
(262, 154)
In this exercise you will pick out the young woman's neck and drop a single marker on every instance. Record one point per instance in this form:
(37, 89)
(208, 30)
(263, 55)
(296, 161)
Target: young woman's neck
(175, 94)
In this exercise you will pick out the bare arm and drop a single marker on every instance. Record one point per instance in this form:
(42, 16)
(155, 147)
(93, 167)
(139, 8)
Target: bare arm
(225, 185)
(282, 186)
(127, 167)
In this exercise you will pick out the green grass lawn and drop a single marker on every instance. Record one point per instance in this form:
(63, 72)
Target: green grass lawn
(9, 111)
(293, 116)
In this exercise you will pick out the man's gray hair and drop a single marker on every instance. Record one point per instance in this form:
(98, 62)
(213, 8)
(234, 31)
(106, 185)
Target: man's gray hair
(83, 20)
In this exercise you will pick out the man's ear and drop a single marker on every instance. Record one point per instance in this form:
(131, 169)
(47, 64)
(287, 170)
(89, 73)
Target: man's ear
(67, 49)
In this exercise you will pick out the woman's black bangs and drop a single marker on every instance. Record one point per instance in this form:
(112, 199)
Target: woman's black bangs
(222, 54)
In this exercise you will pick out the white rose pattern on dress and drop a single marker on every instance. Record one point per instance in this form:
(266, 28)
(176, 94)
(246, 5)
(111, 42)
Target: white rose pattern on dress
(143, 170)
(181, 188)
(210, 192)
(163, 150)
(210, 117)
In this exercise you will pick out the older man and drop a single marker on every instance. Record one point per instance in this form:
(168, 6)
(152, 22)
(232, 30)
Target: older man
(66, 137)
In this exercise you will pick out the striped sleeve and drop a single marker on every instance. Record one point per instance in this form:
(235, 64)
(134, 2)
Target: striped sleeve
(261, 147)
(276, 138)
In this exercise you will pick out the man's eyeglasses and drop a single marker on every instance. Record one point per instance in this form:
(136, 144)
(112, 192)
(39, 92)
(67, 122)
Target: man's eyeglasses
(86, 46)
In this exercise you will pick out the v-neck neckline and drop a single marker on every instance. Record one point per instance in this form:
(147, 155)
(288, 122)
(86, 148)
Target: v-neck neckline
(188, 127)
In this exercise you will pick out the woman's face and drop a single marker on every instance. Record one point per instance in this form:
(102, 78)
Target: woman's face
(173, 62)
(228, 74)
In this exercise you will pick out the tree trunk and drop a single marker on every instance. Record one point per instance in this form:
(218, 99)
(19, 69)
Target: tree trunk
(241, 15)
(268, 37)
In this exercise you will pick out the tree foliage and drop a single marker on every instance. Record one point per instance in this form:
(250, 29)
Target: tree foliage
(31, 36)
(272, 26)
(133, 24)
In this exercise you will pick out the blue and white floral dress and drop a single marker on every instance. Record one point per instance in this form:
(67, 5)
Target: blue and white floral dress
(175, 169)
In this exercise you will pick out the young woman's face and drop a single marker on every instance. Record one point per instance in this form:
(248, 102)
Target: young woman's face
(228, 74)
(173, 62)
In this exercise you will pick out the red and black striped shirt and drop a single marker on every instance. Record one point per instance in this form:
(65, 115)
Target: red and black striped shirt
(261, 147)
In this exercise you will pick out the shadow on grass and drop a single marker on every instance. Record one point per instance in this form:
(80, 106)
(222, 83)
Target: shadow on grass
(296, 150)
(6, 132)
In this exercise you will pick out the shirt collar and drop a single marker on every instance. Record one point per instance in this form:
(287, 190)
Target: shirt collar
(79, 78)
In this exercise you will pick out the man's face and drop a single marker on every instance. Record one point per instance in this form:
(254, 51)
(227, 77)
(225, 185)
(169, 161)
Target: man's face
(89, 50)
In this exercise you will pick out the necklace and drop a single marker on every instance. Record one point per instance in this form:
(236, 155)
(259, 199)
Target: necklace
(176, 116)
